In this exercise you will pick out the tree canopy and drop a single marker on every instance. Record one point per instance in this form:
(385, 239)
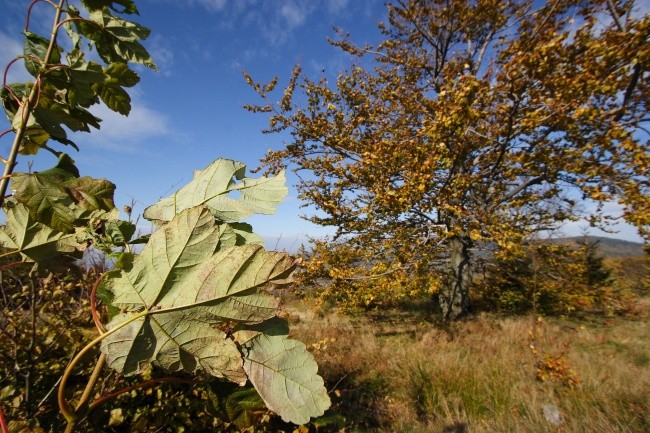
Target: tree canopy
(471, 122)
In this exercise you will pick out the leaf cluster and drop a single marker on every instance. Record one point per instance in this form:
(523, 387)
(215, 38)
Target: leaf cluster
(352, 278)
(197, 298)
(66, 83)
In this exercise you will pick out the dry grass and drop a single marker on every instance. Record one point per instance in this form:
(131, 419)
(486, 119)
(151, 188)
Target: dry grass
(481, 375)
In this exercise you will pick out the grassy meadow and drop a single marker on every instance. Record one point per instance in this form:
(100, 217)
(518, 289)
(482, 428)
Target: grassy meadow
(403, 372)
(386, 370)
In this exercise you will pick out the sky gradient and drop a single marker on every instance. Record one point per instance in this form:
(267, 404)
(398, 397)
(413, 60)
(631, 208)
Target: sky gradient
(190, 112)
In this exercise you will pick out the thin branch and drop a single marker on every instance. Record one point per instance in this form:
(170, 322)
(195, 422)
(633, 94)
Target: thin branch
(10, 265)
(93, 305)
(483, 49)
(354, 370)
(5, 132)
(94, 377)
(30, 101)
(69, 414)
(630, 88)
(615, 16)
(517, 190)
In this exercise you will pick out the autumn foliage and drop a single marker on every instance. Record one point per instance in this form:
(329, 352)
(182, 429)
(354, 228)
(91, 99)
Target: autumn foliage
(471, 123)
(551, 278)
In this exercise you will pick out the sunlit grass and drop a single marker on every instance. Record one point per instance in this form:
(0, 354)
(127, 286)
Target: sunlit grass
(481, 374)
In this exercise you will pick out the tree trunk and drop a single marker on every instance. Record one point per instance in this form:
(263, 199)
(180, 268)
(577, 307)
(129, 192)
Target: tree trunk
(454, 295)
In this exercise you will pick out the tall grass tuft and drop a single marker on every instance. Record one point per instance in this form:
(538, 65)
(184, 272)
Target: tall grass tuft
(481, 375)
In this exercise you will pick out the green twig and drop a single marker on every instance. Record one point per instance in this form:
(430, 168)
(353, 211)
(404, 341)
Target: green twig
(94, 377)
(93, 305)
(83, 401)
(8, 253)
(28, 106)
(70, 414)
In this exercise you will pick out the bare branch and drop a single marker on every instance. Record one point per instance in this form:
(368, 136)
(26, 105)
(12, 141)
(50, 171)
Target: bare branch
(615, 16)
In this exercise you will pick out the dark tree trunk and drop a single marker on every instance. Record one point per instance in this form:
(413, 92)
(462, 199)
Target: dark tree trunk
(454, 295)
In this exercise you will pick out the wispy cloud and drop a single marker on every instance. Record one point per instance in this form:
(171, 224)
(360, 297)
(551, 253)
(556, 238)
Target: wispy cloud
(126, 134)
(337, 6)
(10, 48)
(275, 22)
(210, 5)
(294, 14)
(276, 25)
(162, 54)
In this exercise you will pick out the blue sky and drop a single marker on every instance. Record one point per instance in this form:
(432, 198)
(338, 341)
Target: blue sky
(190, 112)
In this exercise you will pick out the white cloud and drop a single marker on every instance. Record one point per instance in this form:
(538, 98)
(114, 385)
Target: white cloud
(9, 49)
(161, 54)
(618, 229)
(294, 14)
(126, 134)
(337, 6)
(211, 5)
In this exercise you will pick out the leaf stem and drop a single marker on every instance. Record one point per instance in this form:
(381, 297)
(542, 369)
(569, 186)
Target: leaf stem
(30, 101)
(69, 20)
(8, 253)
(4, 81)
(70, 414)
(94, 377)
(3, 422)
(9, 265)
(93, 305)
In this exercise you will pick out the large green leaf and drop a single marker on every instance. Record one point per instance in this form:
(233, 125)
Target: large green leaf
(34, 136)
(59, 199)
(35, 51)
(120, 232)
(109, 88)
(238, 234)
(241, 406)
(114, 96)
(52, 113)
(187, 284)
(47, 202)
(91, 194)
(76, 81)
(10, 94)
(34, 241)
(64, 170)
(285, 375)
(115, 38)
(128, 7)
(122, 74)
(175, 341)
(214, 186)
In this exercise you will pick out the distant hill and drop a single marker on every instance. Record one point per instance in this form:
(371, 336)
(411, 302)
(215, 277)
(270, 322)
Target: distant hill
(608, 247)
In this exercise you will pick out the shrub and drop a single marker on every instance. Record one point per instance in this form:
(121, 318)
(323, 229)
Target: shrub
(551, 279)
